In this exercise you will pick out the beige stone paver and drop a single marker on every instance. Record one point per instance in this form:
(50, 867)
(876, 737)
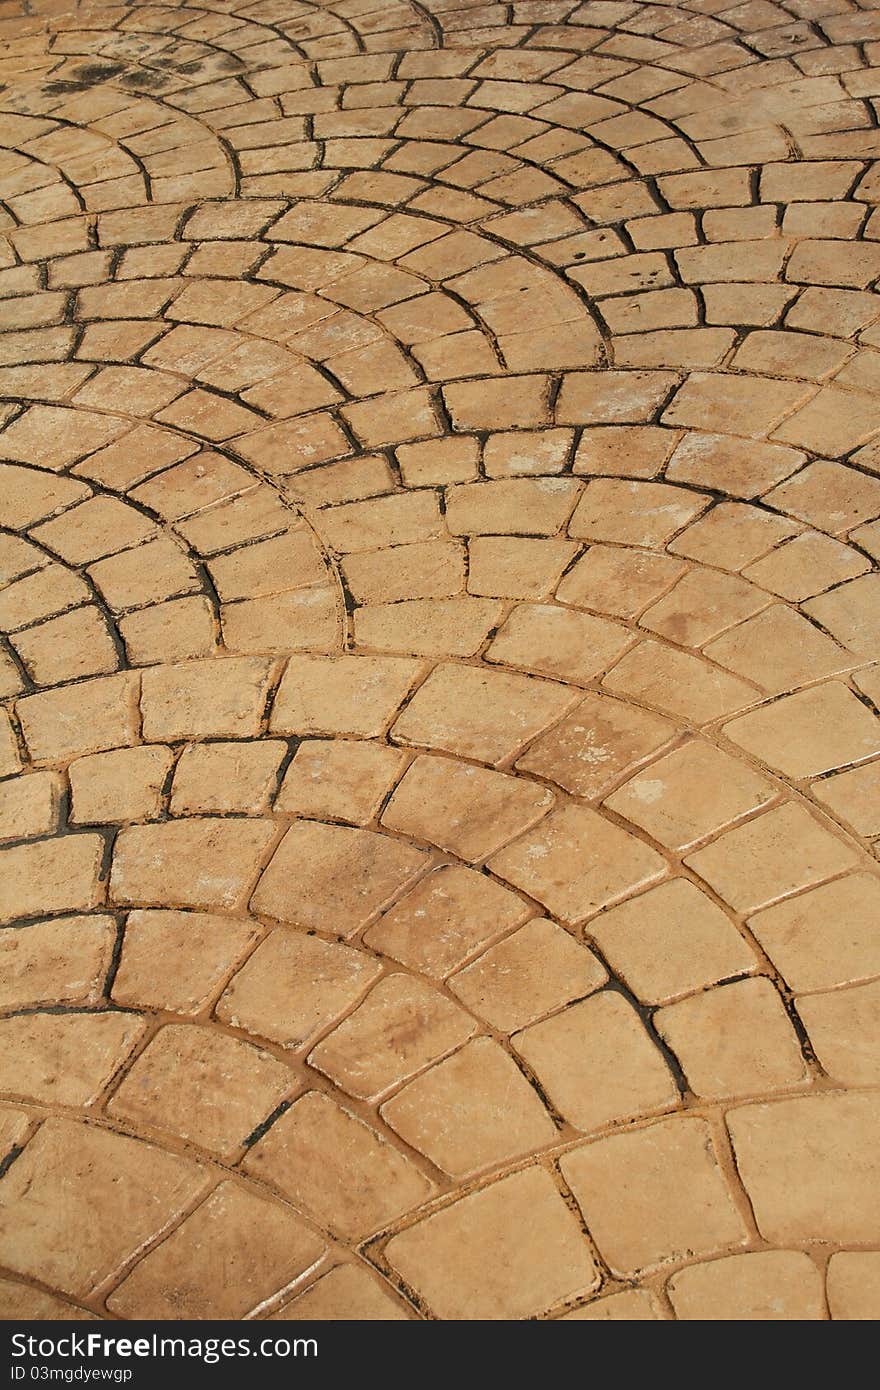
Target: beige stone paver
(735, 1037)
(690, 793)
(58, 960)
(535, 971)
(112, 1194)
(444, 919)
(336, 1167)
(852, 1285)
(471, 1111)
(844, 1028)
(815, 947)
(765, 1286)
(679, 1201)
(64, 1059)
(671, 941)
(439, 704)
(832, 1194)
(597, 1063)
(525, 1251)
(178, 960)
(259, 1245)
(171, 1083)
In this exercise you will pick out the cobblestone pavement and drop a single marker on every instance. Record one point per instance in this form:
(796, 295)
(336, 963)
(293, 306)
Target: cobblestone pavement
(441, 471)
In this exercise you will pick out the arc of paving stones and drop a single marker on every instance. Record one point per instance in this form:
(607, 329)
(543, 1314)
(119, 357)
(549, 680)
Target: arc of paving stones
(794, 410)
(662, 676)
(206, 833)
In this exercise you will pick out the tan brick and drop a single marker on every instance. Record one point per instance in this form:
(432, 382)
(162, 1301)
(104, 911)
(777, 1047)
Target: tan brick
(809, 1166)
(690, 793)
(449, 915)
(733, 1040)
(468, 810)
(338, 779)
(85, 1199)
(761, 1286)
(401, 1027)
(654, 1195)
(823, 938)
(228, 1257)
(201, 863)
(671, 941)
(510, 1250)
(174, 1084)
(336, 1167)
(333, 876)
(204, 698)
(67, 1058)
(347, 1289)
(534, 971)
(293, 987)
(58, 875)
(472, 1111)
(178, 960)
(596, 1062)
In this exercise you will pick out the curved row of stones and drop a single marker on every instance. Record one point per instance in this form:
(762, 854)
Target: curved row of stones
(439, 723)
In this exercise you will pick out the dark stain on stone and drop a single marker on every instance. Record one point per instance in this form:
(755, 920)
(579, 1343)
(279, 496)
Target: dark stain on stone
(63, 89)
(144, 80)
(90, 73)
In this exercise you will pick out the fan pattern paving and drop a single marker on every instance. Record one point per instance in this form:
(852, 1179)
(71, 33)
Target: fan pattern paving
(439, 497)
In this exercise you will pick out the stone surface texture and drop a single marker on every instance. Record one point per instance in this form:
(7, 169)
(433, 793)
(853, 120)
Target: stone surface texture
(439, 639)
